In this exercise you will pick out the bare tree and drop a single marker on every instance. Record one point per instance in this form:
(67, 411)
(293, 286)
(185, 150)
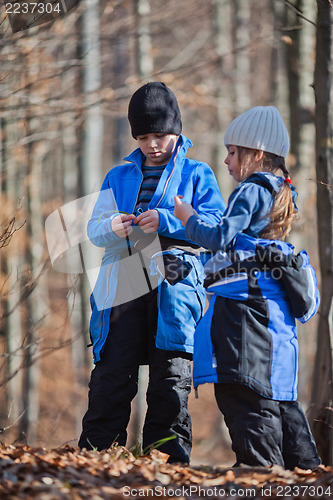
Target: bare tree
(292, 47)
(223, 40)
(322, 396)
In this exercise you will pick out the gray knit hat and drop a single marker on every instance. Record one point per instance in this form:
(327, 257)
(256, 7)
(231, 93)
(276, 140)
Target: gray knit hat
(259, 128)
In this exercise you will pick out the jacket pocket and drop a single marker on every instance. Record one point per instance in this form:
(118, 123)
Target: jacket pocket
(176, 269)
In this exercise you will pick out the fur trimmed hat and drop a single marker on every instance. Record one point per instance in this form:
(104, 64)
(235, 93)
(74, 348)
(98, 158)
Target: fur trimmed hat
(153, 108)
(259, 128)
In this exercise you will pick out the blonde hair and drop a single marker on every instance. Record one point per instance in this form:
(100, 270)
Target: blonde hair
(283, 212)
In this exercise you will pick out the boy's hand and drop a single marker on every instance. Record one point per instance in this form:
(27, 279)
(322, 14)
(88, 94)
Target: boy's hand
(122, 225)
(183, 211)
(148, 221)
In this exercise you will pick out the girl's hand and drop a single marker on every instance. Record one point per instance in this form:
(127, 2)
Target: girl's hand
(183, 211)
(148, 221)
(122, 225)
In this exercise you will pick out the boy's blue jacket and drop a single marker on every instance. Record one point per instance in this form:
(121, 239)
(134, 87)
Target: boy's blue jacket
(248, 334)
(180, 305)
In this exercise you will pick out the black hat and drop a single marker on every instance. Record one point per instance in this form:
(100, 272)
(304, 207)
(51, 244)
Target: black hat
(153, 108)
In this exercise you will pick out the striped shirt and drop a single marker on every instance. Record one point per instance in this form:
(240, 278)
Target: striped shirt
(151, 177)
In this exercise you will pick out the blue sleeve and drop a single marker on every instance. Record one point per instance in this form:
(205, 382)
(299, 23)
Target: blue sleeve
(99, 226)
(304, 297)
(207, 201)
(247, 205)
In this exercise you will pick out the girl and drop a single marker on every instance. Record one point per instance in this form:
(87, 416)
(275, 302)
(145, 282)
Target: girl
(246, 343)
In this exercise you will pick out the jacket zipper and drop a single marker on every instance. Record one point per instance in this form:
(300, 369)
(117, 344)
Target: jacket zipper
(168, 179)
(137, 196)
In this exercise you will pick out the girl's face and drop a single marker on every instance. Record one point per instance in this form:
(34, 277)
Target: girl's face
(241, 169)
(157, 148)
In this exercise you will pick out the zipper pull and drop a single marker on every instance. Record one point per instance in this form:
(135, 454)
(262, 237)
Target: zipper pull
(196, 394)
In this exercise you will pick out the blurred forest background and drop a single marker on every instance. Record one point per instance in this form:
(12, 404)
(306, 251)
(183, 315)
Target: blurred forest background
(65, 88)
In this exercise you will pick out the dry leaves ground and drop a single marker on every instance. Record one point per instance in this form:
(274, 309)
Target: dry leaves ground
(68, 473)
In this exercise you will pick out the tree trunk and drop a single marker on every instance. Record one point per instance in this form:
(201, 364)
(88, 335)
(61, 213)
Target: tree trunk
(34, 306)
(12, 265)
(33, 310)
(77, 300)
(292, 48)
(321, 414)
(223, 42)
(144, 46)
(92, 78)
(90, 172)
(241, 38)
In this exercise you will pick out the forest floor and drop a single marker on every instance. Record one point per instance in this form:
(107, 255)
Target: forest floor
(69, 473)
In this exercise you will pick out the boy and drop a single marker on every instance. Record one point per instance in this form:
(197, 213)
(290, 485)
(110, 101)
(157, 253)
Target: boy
(157, 327)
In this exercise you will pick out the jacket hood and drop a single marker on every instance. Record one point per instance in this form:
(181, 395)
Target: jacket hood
(272, 182)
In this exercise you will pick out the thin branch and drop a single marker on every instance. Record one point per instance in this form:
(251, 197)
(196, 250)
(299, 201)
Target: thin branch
(3, 429)
(330, 186)
(43, 353)
(27, 288)
(10, 229)
(299, 13)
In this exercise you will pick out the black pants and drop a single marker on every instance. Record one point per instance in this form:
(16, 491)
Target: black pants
(114, 383)
(264, 431)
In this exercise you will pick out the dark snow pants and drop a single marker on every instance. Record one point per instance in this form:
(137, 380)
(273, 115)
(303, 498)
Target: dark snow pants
(265, 431)
(114, 383)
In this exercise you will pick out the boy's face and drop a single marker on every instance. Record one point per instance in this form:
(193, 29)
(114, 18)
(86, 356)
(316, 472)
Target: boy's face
(157, 148)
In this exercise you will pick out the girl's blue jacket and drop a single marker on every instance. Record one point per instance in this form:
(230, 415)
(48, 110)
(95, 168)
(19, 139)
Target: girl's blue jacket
(180, 305)
(248, 334)
(247, 210)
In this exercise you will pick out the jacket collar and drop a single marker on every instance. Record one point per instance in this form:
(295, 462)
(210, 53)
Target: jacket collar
(183, 144)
